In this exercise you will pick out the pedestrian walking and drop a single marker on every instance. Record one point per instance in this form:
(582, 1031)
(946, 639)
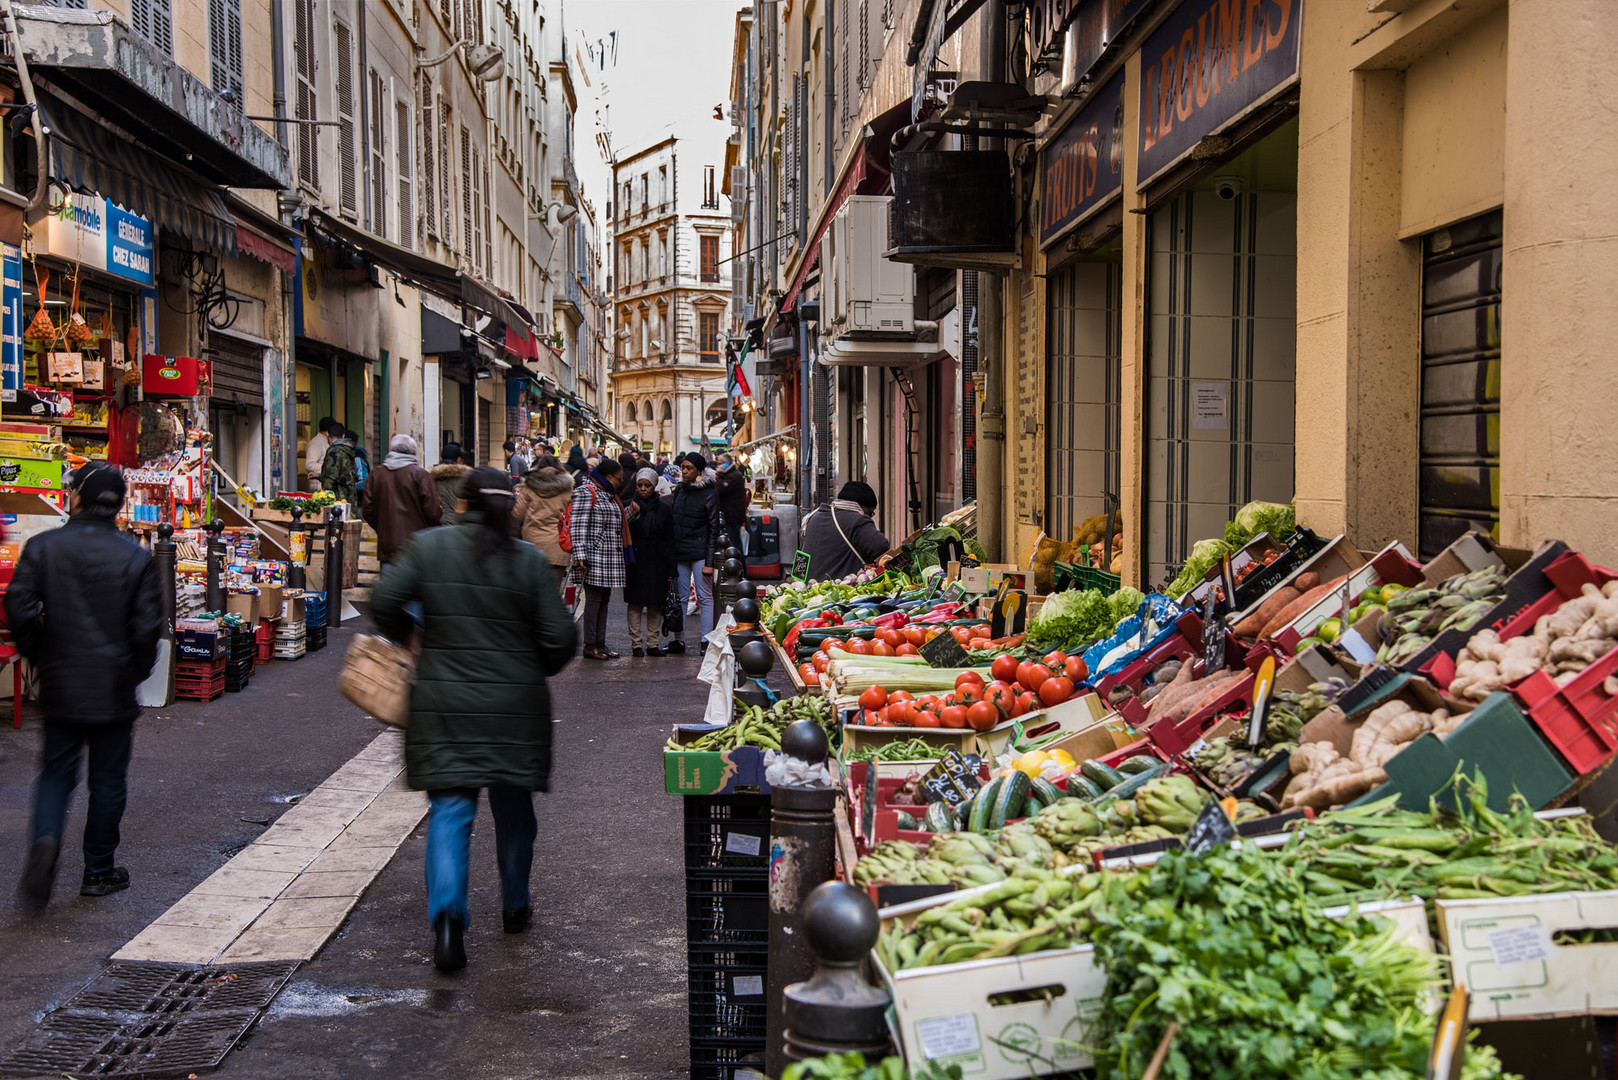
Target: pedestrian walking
(600, 549)
(696, 523)
(840, 537)
(545, 493)
(85, 607)
(449, 474)
(338, 471)
(517, 461)
(314, 455)
(730, 491)
(575, 461)
(648, 577)
(492, 631)
(401, 499)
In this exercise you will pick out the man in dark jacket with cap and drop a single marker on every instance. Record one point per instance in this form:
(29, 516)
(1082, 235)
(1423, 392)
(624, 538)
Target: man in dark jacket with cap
(839, 537)
(86, 608)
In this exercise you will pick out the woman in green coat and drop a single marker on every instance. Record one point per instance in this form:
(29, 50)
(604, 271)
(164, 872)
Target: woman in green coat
(492, 629)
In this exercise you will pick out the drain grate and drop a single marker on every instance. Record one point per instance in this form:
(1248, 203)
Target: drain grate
(139, 1019)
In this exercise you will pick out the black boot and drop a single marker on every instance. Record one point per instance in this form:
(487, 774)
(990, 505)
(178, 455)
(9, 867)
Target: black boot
(449, 948)
(38, 875)
(106, 883)
(515, 922)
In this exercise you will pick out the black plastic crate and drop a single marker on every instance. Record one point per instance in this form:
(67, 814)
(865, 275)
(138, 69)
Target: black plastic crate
(727, 832)
(720, 1020)
(727, 909)
(723, 1060)
(315, 638)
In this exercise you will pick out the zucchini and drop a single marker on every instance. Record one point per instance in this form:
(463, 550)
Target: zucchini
(1102, 776)
(1137, 764)
(1009, 798)
(940, 818)
(908, 821)
(1082, 787)
(983, 805)
(1134, 783)
(1046, 792)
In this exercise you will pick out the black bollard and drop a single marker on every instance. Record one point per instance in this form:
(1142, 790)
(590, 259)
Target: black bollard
(297, 550)
(803, 846)
(754, 661)
(334, 571)
(163, 554)
(216, 565)
(836, 1011)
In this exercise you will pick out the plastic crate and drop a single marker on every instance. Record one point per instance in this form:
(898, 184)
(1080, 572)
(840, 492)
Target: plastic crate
(727, 832)
(726, 1061)
(729, 909)
(1580, 719)
(316, 638)
(1072, 575)
(199, 669)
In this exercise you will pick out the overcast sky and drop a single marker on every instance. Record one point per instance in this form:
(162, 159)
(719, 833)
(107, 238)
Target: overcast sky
(672, 66)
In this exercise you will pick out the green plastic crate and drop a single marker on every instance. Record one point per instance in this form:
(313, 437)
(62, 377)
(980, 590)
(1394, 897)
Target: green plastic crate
(1074, 576)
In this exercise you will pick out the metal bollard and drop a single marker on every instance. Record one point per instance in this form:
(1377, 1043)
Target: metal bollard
(836, 1011)
(163, 554)
(297, 549)
(216, 565)
(334, 572)
(803, 844)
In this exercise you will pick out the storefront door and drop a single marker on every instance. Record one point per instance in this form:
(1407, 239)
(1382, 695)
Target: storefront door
(1083, 386)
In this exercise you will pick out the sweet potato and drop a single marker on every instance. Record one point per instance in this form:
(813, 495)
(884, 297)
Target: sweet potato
(1280, 598)
(1178, 687)
(1299, 606)
(1306, 581)
(1204, 691)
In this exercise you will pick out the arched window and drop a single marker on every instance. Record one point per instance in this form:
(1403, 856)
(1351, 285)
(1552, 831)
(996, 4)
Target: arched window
(668, 409)
(629, 411)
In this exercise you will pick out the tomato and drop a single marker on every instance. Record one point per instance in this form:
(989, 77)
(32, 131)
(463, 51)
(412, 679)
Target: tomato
(970, 693)
(930, 701)
(872, 719)
(1076, 669)
(832, 643)
(1057, 690)
(894, 638)
(902, 713)
(1022, 672)
(1027, 702)
(1054, 660)
(968, 677)
(857, 646)
(930, 633)
(978, 643)
(874, 698)
(1001, 697)
(901, 695)
(916, 635)
(1004, 668)
(820, 661)
(961, 634)
(807, 673)
(1035, 676)
(882, 648)
(907, 649)
(954, 716)
(983, 630)
(982, 716)
(926, 719)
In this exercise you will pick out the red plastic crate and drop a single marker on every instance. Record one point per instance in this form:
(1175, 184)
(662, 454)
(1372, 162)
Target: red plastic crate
(1579, 719)
(1176, 737)
(200, 669)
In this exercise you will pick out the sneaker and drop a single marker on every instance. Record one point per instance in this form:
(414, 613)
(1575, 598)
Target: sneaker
(677, 648)
(38, 875)
(111, 881)
(637, 651)
(703, 649)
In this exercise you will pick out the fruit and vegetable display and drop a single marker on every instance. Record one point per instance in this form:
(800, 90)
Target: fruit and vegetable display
(919, 553)
(761, 727)
(1324, 778)
(1228, 762)
(1077, 618)
(906, 692)
(1256, 517)
(853, 1067)
(901, 750)
(1565, 642)
(1416, 616)
(314, 500)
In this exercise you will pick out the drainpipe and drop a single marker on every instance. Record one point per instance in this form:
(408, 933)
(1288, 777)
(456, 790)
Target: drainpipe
(278, 53)
(42, 174)
(991, 346)
(291, 477)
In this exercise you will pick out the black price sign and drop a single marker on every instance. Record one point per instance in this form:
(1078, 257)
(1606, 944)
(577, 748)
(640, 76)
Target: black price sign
(800, 566)
(943, 651)
(1213, 637)
(1212, 828)
(953, 780)
(1010, 613)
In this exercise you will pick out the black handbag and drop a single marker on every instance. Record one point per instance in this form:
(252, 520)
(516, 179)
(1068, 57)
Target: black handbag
(673, 610)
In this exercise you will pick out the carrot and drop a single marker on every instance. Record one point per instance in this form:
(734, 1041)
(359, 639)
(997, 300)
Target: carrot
(1280, 598)
(1299, 606)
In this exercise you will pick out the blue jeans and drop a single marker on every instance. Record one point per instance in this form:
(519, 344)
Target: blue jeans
(449, 842)
(107, 780)
(687, 571)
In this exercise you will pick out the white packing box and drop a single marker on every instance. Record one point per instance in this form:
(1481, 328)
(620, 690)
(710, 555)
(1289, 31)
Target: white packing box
(1504, 950)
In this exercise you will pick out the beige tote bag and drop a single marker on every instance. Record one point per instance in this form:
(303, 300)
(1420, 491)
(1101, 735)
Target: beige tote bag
(377, 676)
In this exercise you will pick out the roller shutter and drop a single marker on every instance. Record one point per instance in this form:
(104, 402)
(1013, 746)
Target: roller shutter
(238, 371)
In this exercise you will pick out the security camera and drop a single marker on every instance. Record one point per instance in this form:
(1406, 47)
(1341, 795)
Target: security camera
(1227, 187)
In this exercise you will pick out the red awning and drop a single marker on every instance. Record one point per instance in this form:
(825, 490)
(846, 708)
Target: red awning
(520, 343)
(266, 250)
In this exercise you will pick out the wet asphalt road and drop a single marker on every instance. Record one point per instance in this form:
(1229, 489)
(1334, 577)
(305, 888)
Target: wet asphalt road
(595, 989)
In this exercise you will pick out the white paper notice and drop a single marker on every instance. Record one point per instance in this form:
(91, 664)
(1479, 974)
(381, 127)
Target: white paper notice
(747, 986)
(948, 1036)
(742, 844)
(1520, 945)
(1209, 411)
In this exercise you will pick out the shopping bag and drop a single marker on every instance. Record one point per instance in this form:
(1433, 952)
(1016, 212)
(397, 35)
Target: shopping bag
(673, 611)
(377, 676)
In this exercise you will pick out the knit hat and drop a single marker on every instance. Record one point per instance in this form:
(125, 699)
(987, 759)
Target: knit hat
(99, 484)
(451, 454)
(697, 460)
(646, 474)
(858, 492)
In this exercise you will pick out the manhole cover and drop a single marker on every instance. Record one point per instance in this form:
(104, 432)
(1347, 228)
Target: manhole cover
(139, 1019)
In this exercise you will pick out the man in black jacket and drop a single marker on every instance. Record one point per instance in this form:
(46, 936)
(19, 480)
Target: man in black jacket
(86, 608)
(696, 523)
(840, 537)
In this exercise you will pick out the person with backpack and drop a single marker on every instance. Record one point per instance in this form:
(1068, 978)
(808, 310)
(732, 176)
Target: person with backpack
(362, 471)
(600, 544)
(338, 472)
(543, 499)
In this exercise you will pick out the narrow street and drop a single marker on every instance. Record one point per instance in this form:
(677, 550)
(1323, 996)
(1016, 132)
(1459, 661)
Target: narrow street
(596, 988)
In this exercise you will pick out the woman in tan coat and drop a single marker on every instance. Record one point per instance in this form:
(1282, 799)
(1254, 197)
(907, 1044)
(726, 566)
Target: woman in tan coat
(545, 492)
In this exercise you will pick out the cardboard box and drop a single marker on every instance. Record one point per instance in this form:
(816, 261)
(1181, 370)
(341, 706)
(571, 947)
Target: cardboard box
(711, 772)
(1332, 605)
(292, 607)
(247, 605)
(857, 737)
(1505, 951)
(271, 598)
(986, 577)
(1075, 714)
(31, 474)
(1337, 558)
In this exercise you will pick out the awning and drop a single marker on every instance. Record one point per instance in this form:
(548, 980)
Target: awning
(417, 269)
(439, 335)
(484, 298)
(252, 242)
(788, 432)
(89, 158)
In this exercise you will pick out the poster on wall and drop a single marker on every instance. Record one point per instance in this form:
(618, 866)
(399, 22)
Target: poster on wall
(101, 235)
(1210, 64)
(1082, 169)
(11, 323)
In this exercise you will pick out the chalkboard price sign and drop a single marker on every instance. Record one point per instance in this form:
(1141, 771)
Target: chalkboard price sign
(943, 651)
(1213, 637)
(800, 565)
(1212, 828)
(952, 780)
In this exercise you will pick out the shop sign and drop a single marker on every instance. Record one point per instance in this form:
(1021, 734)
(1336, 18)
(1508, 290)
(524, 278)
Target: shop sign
(1093, 26)
(1211, 63)
(11, 324)
(94, 232)
(1083, 167)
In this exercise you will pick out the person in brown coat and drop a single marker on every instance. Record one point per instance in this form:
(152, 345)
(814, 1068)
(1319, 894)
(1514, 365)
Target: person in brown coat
(545, 492)
(401, 498)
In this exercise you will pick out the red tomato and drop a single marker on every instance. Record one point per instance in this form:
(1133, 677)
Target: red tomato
(894, 638)
(1022, 672)
(902, 713)
(1054, 660)
(931, 632)
(961, 634)
(871, 719)
(832, 643)
(983, 630)
(1076, 669)
(1004, 668)
(954, 716)
(1035, 676)
(1057, 690)
(807, 673)
(968, 677)
(820, 661)
(982, 716)
(927, 719)
(978, 643)
(857, 646)
(874, 698)
(1002, 697)
(901, 695)
(969, 693)
(882, 648)
(1027, 702)
(907, 649)
(930, 701)
(916, 635)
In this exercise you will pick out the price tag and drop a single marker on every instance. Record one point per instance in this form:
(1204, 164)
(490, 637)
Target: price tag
(1212, 828)
(943, 651)
(948, 1036)
(1213, 637)
(1520, 944)
(800, 566)
(952, 780)
(743, 843)
(747, 986)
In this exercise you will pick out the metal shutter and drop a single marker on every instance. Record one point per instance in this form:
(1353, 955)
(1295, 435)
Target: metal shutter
(1085, 370)
(429, 202)
(485, 439)
(347, 189)
(403, 144)
(379, 158)
(969, 385)
(154, 21)
(305, 107)
(1460, 382)
(238, 371)
(468, 241)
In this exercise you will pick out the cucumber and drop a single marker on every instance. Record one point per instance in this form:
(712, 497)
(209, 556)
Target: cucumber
(908, 821)
(1082, 787)
(1134, 783)
(963, 813)
(1046, 792)
(940, 818)
(1009, 799)
(1137, 764)
(983, 805)
(1102, 776)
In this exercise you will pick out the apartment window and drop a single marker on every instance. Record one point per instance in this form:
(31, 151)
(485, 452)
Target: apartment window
(629, 201)
(225, 45)
(402, 144)
(347, 189)
(662, 254)
(708, 337)
(379, 160)
(485, 228)
(663, 184)
(645, 191)
(645, 255)
(154, 21)
(710, 257)
(627, 270)
(305, 107)
(710, 189)
(445, 199)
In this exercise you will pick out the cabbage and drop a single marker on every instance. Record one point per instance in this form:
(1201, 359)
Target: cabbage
(1277, 519)
(1076, 617)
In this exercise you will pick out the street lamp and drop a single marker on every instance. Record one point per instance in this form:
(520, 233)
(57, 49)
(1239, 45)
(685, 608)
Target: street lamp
(487, 62)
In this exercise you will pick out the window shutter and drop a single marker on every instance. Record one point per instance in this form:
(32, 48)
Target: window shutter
(225, 45)
(379, 157)
(429, 202)
(487, 182)
(402, 146)
(154, 21)
(467, 244)
(348, 191)
(303, 51)
(445, 199)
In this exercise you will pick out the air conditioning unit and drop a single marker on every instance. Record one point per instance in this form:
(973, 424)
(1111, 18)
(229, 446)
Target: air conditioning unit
(864, 292)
